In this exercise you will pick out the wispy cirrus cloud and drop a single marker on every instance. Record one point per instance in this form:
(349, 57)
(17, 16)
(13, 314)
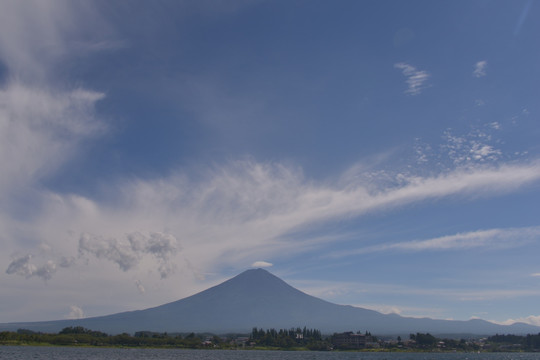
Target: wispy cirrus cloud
(41, 130)
(416, 79)
(233, 213)
(492, 238)
(247, 209)
(36, 35)
(330, 290)
(522, 17)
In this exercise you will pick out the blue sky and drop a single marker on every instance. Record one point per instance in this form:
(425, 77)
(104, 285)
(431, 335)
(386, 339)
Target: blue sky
(382, 154)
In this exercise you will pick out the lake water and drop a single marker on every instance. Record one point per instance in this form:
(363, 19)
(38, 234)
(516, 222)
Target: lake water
(65, 353)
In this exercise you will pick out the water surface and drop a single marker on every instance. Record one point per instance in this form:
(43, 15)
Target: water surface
(72, 353)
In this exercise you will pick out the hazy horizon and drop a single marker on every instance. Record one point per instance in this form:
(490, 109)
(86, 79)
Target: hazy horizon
(257, 298)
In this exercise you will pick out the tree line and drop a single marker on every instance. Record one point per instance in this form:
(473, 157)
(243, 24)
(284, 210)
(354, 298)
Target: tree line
(297, 338)
(311, 339)
(79, 336)
(528, 342)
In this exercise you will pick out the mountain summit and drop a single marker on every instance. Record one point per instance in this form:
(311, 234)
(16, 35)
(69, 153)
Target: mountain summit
(256, 298)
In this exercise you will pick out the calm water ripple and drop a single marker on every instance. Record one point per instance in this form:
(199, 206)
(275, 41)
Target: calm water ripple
(65, 353)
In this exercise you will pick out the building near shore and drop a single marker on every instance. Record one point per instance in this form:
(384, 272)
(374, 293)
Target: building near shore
(350, 340)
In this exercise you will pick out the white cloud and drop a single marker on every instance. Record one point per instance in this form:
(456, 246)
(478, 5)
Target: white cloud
(23, 266)
(482, 151)
(244, 210)
(330, 290)
(140, 286)
(479, 102)
(492, 238)
(239, 211)
(522, 17)
(476, 147)
(113, 250)
(75, 312)
(480, 69)
(236, 212)
(46, 271)
(40, 129)
(495, 125)
(127, 252)
(36, 35)
(481, 238)
(261, 264)
(384, 309)
(407, 311)
(416, 79)
(536, 274)
(531, 319)
(422, 152)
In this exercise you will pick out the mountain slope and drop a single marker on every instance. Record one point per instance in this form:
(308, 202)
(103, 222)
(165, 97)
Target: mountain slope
(256, 298)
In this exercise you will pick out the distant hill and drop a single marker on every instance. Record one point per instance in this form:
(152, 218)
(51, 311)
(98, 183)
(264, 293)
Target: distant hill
(256, 298)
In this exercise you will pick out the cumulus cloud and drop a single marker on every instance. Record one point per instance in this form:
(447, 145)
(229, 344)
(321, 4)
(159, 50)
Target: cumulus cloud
(46, 271)
(127, 252)
(140, 286)
(480, 69)
(75, 312)
(416, 79)
(261, 264)
(408, 311)
(66, 261)
(24, 267)
(531, 319)
(110, 249)
(21, 266)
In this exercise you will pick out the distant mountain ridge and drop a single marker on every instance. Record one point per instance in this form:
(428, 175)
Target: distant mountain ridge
(257, 298)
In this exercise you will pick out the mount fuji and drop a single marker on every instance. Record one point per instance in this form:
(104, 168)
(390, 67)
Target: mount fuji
(256, 298)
